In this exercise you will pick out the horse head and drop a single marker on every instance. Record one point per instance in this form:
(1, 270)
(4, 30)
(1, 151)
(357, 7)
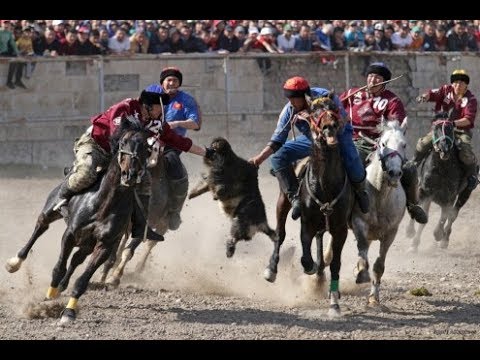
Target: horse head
(325, 119)
(130, 144)
(391, 149)
(443, 135)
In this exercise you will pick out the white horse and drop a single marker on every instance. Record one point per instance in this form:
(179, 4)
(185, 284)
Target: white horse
(387, 204)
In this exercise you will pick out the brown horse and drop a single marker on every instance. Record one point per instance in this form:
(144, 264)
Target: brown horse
(326, 200)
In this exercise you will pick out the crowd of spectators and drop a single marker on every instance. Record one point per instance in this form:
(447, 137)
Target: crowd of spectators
(125, 37)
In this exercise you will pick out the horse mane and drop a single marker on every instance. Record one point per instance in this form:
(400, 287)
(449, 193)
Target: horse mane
(324, 102)
(127, 123)
(389, 125)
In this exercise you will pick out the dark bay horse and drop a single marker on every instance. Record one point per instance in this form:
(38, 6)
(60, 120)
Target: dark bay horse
(387, 204)
(326, 199)
(157, 218)
(98, 217)
(441, 180)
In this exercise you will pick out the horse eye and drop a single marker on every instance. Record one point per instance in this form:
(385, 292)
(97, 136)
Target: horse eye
(404, 146)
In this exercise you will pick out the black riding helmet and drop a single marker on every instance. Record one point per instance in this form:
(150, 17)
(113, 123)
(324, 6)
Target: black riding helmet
(151, 98)
(381, 69)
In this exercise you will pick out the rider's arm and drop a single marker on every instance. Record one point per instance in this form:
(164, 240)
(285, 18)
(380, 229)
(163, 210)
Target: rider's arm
(179, 142)
(469, 113)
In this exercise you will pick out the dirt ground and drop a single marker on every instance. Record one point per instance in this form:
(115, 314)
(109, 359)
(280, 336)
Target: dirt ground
(190, 290)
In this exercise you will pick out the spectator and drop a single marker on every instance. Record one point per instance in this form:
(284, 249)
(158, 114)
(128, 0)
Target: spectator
(441, 42)
(8, 48)
(429, 38)
(228, 42)
(457, 40)
(189, 42)
(240, 34)
(160, 43)
(286, 40)
(69, 46)
(120, 43)
(417, 39)
(402, 39)
(139, 42)
(84, 45)
(303, 41)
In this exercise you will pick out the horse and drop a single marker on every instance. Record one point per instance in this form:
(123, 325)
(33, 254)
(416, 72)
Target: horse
(158, 218)
(98, 217)
(326, 201)
(387, 204)
(434, 185)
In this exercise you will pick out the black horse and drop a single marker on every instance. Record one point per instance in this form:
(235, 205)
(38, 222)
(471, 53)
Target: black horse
(98, 217)
(441, 180)
(326, 199)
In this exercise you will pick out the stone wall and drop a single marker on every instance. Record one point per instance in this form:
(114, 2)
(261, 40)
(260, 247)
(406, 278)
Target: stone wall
(240, 95)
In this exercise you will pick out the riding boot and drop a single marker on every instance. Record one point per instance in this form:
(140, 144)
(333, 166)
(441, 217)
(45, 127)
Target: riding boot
(361, 195)
(139, 220)
(409, 182)
(289, 185)
(471, 174)
(178, 194)
(65, 194)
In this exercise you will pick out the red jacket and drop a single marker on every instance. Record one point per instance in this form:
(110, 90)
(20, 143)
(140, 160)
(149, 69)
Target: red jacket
(366, 111)
(105, 124)
(444, 99)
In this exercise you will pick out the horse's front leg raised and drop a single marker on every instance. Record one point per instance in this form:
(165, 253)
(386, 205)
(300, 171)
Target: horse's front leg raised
(46, 217)
(99, 256)
(416, 239)
(283, 207)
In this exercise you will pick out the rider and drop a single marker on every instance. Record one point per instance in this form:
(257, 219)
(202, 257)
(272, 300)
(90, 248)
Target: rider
(181, 113)
(286, 152)
(92, 151)
(366, 108)
(457, 100)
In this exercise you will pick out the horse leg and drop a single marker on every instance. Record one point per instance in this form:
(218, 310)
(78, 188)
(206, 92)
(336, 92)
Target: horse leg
(77, 259)
(127, 254)
(268, 274)
(307, 233)
(452, 216)
(144, 256)
(360, 230)
(99, 256)
(416, 239)
(338, 240)
(379, 268)
(283, 207)
(114, 258)
(43, 222)
(439, 232)
(60, 268)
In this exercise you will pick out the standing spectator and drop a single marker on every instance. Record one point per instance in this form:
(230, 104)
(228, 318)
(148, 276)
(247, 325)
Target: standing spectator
(52, 44)
(190, 43)
(120, 43)
(417, 39)
(429, 37)
(160, 43)
(303, 41)
(441, 42)
(59, 29)
(402, 39)
(457, 40)
(139, 42)
(84, 45)
(286, 40)
(337, 40)
(354, 36)
(8, 48)
(69, 46)
(241, 35)
(228, 42)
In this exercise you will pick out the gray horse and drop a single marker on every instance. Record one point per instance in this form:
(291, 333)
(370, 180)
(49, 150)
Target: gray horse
(387, 204)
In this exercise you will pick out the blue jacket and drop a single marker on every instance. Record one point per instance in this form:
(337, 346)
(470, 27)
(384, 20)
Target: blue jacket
(280, 135)
(183, 106)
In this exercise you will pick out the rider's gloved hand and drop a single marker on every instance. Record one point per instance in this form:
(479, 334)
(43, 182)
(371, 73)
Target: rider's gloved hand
(422, 98)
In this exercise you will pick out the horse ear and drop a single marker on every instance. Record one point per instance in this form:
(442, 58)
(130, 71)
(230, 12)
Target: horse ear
(404, 125)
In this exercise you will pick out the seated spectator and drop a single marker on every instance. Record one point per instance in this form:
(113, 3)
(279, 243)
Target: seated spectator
(119, 44)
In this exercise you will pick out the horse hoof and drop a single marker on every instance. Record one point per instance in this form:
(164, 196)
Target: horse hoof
(68, 316)
(363, 277)
(113, 282)
(13, 264)
(334, 311)
(230, 251)
(269, 275)
(312, 271)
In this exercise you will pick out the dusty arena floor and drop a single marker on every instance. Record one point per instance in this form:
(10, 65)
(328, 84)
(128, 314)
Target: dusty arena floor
(190, 290)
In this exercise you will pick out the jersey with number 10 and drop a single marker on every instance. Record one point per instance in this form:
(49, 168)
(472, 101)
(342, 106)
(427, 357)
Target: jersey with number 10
(366, 111)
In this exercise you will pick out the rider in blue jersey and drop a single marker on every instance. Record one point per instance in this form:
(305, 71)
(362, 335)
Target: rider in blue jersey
(181, 113)
(286, 152)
